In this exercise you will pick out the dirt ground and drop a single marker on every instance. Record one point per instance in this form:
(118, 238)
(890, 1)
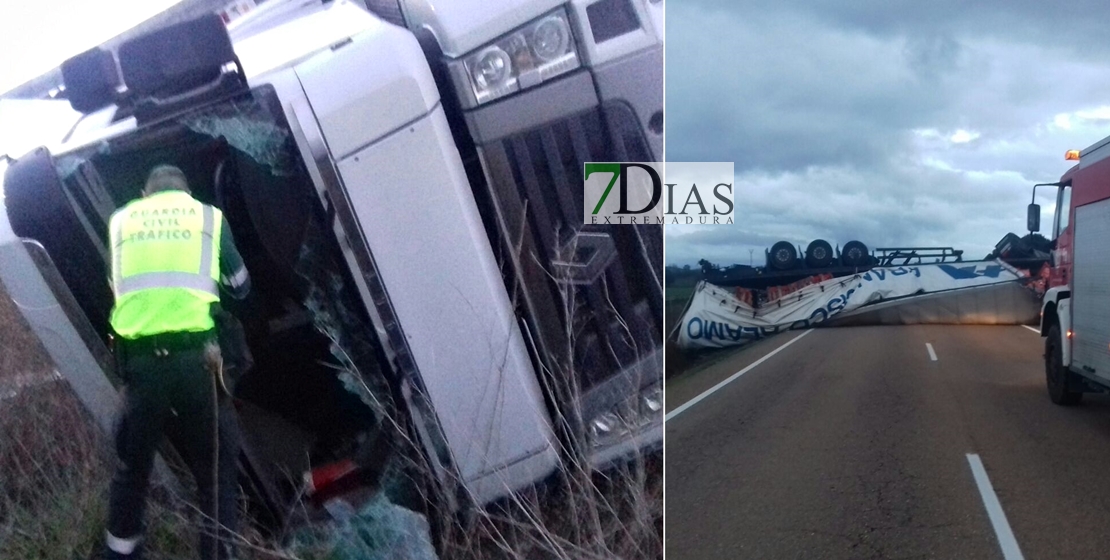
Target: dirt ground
(22, 357)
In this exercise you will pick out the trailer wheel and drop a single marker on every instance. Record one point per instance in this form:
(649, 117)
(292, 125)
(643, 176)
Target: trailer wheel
(783, 256)
(819, 254)
(854, 254)
(1057, 376)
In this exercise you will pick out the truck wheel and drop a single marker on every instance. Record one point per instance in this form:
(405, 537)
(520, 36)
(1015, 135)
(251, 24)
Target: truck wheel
(1058, 376)
(854, 254)
(819, 254)
(783, 256)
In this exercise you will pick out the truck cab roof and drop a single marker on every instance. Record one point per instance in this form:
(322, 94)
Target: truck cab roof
(265, 41)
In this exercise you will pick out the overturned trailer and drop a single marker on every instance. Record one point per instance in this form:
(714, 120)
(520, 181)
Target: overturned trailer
(429, 315)
(983, 292)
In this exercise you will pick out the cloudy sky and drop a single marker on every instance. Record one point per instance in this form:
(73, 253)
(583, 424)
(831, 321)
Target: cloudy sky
(37, 36)
(895, 123)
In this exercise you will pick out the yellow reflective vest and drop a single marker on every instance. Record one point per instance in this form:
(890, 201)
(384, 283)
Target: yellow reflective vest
(165, 265)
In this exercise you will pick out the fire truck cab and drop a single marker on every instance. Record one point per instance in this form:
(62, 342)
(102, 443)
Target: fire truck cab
(1077, 301)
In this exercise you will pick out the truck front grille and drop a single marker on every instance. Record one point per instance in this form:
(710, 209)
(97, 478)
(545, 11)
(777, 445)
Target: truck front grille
(592, 293)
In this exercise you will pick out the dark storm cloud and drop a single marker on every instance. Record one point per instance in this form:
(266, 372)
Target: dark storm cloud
(919, 123)
(782, 91)
(1074, 25)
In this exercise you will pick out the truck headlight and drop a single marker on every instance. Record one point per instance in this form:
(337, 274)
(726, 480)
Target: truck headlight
(491, 68)
(538, 51)
(550, 38)
(627, 417)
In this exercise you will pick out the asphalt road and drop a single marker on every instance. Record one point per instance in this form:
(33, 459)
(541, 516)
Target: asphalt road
(854, 443)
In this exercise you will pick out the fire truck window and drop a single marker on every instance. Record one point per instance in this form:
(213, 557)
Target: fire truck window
(1063, 210)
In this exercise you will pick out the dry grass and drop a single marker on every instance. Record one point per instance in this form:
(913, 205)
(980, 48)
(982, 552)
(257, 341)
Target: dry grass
(55, 467)
(581, 515)
(21, 353)
(55, 464)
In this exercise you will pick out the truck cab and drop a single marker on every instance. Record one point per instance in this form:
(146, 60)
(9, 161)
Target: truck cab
(1076, 304)
(406, 195)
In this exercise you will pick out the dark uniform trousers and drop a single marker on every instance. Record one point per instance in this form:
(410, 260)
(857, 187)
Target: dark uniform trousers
(172, 390)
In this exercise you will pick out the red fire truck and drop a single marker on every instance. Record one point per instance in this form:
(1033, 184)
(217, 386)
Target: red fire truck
(1076, 307)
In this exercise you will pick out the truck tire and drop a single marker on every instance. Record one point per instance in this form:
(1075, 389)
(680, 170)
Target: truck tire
(854, 254)
(819, 254)
(39, 209)
(1057, 376)
(783, 256)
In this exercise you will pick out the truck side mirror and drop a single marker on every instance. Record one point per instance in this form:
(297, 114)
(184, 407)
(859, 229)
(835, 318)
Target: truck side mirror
(1033, 218)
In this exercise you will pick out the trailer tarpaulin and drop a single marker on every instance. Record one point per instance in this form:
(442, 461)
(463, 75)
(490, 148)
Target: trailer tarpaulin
(1008, 303)
(716, 318)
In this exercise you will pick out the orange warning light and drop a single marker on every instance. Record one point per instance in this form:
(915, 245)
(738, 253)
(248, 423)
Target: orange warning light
(1071, 155)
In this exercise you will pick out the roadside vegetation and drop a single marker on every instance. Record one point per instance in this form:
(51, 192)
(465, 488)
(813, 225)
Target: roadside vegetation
(678, 286)
(55, 467)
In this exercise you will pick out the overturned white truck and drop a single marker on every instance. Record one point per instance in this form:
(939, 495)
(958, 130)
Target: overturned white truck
(407, 197)
(976, 292)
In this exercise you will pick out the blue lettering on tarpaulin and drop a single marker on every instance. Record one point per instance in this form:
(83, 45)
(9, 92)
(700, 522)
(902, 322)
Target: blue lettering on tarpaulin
(698, 328)
(734, 334)
(880, 273)
(835, 305)
(902, 271)
(971, 272)
(714, 329)
(813, 319)
(690, 328)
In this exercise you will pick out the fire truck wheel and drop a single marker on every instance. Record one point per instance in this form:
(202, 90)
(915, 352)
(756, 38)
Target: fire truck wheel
(819, 254)
(783, 256)
(1058, 376)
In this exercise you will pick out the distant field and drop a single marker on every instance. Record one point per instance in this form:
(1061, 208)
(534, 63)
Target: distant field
(676, 294)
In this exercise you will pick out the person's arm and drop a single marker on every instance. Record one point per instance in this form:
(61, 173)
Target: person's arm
(233, 272)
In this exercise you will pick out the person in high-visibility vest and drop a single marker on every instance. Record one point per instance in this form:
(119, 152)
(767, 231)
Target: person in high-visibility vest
(170, 256)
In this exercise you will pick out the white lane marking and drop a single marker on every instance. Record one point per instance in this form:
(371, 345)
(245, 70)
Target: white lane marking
(932, 353)
(730, 379)
(1038, 331)
(1006, 540)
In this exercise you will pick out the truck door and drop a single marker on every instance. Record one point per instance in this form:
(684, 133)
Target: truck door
(1090, 291)
(1062, 236)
